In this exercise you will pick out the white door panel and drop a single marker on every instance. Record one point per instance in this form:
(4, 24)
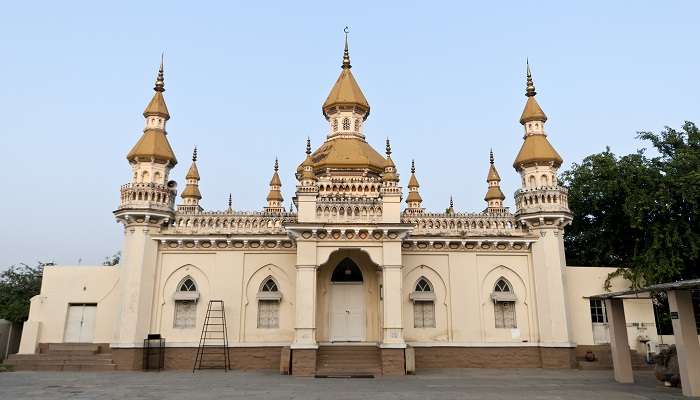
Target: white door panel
(80, 324)
(347, 313)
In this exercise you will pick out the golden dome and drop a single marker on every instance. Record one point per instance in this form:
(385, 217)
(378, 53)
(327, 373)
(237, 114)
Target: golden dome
(193, 173)
(536, 149)
(494, 193)
(346, 91)
(275, 195)
(343, 152)
(152, 145)
(157, 104)
(532, 112)
(413, 196)
(191, 191)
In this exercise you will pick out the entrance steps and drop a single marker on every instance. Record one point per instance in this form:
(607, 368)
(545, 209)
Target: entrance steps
(64, 357)
(348, 361)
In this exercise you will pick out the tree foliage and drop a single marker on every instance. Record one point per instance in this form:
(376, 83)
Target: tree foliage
(638, 213)
(18, 284)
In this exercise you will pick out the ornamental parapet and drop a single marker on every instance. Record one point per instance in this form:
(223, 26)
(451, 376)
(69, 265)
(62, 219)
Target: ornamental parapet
(353, 209)
(231, 222)
(465, 224)
(146, 196)
(542, 198)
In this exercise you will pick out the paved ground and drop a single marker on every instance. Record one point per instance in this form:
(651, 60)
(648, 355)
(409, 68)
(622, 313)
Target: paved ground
(479, 384)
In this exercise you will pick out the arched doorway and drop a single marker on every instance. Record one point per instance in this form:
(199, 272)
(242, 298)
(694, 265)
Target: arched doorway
(347, 303)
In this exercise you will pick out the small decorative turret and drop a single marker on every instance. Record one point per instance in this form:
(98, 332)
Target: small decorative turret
(390, 177)
(413, 200)
(274, 197)
(494, 196)
(451, 209)
(191, 195)
(305, 173)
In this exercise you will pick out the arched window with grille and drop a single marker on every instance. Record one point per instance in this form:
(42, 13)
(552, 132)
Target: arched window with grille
(186, 296)
(269, 298)
(504, 304)
(423, 297)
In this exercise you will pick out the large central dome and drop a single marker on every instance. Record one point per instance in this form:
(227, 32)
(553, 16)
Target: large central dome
(347, 153)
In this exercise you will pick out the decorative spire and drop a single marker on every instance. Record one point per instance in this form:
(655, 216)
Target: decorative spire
(308, 146)
(530, 87)
(191, 195)
(494, 196)
(230, 201)
(491, 156)
(194, 154)
(346, 53)
(413, 166)
(452, 204)
(160, 80)
(274, 196)
(388, 148)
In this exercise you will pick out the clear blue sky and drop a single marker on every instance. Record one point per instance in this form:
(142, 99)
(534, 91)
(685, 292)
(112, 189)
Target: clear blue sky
(245, 82)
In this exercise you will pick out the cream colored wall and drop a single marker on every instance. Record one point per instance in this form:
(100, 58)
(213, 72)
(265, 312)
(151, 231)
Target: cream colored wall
(63, 285)
(463, 283)
(588, 281)
(234, 277)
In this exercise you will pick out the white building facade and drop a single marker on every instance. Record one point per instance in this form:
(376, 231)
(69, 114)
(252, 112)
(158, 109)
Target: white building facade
(356, 264)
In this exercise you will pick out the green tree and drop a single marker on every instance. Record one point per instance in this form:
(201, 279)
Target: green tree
(638, 213)
(18, 284)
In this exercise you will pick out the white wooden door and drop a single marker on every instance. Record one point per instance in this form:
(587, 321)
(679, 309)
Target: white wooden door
(80, 323)
(347, 313)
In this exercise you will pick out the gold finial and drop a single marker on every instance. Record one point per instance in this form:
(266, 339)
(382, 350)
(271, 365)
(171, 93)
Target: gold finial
(530, 88)
(194, 154)
(388, 148)
(308, 146)
(277, 165)
(160, 80)
(346, 53)
(491, 156)
(413, 166)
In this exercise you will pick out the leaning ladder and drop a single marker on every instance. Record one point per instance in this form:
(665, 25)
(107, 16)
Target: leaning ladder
(212, 352)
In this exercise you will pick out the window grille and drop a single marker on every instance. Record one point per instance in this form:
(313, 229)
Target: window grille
(268, 305)
(598, 313)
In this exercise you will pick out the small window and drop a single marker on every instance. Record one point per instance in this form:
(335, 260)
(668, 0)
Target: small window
(346, 124)
(188, 286)
(599, 314)
(357, 125)
(423, 304)
(335, 124)
(502, 287)
(268, 305)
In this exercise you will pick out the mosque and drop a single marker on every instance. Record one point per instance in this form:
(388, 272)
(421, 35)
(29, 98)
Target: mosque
(358, 276)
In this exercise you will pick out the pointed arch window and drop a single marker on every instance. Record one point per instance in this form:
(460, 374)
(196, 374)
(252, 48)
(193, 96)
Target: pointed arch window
(269, 298)
(185, 296)
(423, 297)
(504, 300)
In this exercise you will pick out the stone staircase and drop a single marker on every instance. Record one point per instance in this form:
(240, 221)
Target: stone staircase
(64, 357)
(348, 361)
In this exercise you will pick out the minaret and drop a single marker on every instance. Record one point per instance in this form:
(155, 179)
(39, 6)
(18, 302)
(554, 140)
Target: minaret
(542, 207)
(494, 196)
(274, 197)
(413, 200)
(146, 205)
(191, 195)
(391, 191)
